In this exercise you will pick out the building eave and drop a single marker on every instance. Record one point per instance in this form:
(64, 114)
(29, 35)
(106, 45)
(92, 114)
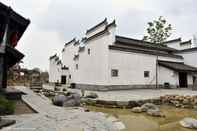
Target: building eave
(113, 47)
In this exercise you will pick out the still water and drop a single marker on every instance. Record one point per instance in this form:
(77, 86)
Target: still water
(143, 122)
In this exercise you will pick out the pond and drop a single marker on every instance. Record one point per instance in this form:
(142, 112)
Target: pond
(143, 122)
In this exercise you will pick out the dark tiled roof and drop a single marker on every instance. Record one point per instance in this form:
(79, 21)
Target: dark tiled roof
(186, 50)
(101, 32)
(170, 41)
(144, 51)
(19, 21)
(99, 24)
(186, 42)
(73, 40)
(177, 66)
(76, 43)
(142, 44)
(65, 68)
(51, 57)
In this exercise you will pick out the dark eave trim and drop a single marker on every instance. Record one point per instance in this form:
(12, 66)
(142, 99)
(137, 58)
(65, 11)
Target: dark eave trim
(68, 43)
(189, 42)
(112, 47)
(53, 56)
(142, 43)
(76, 43)
(170, 41)
(186, 50)
(170, 67)
(99, 24)
(97, 35)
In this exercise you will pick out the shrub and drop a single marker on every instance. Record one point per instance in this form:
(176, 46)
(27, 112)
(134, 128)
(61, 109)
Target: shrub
(6, 106)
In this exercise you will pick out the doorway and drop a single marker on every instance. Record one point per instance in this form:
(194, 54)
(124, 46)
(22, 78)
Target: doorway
(63, 79)
(183, 80)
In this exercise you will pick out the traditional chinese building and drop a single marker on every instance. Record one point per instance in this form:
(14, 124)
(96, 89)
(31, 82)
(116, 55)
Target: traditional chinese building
(103, 60)
(12, 27)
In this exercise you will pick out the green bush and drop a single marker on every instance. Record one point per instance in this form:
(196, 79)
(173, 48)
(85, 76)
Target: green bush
(6, 106)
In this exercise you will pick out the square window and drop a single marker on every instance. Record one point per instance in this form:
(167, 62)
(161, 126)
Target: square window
(89, 51)
(146, 74)
(114, 73)
(76, 66)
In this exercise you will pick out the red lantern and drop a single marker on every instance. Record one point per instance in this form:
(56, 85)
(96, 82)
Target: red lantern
(14, 39)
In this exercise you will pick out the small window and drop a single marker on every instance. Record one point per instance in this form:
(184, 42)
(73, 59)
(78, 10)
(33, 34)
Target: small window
(146, 74)
(114, 73)
(88, 51)
(76, 66)
(69, 76)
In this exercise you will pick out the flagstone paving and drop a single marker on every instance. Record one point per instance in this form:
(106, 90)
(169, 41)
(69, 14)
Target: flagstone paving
(53, 118)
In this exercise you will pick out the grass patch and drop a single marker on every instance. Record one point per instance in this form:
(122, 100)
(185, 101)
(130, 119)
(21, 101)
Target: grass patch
(7, 107)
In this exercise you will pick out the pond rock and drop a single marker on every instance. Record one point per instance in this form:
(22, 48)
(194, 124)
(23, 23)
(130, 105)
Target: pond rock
(189, 123)
(72, 100)
(137, 110)
(149, 106)
(92, 95)
(155, 113)
(58, 100)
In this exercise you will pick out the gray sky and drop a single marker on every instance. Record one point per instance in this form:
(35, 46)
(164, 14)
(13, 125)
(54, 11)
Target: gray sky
(54, 22)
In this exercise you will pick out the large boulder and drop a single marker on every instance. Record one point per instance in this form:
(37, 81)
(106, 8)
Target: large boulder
(137, 110)
(92, 95)
(189, 123)
(149, 106)
(155, 113)
(72, 100)
(58, 100)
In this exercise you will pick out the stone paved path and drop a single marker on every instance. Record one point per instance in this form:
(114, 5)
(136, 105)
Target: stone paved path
(53, 118)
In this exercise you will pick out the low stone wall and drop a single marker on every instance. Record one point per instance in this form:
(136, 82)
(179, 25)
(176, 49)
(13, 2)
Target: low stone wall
(119, 104)
(121, 87)
(113, 87)
(174, 100)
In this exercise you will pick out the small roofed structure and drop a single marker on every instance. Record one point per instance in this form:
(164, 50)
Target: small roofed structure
(12, 27)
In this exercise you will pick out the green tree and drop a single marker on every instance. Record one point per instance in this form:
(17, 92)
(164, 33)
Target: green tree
(158, 31)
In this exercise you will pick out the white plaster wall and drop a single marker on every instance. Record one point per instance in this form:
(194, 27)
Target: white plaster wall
(167, 75)
(131, 67)
(185, 46)
(170, 59)
(92, 69)
(177, 45)
(67, 59)
(190, 58)
(190, 79)
(54, 71)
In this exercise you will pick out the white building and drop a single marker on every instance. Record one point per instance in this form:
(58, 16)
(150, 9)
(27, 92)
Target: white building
(103, 60)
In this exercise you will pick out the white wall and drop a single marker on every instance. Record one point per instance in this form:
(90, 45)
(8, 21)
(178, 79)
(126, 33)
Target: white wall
(67, 58)
(178, 46)
(92, 69)
(167, 75)
(190, 58)
(54, 71)
(131, 67)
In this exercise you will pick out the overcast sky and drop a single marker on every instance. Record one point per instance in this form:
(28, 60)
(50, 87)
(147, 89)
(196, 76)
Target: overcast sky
(54, 22)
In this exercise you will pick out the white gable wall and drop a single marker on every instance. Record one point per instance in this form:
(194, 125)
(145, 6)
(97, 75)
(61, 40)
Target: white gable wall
(92, 69)
(67, 59)
(54, 71)
(190, 57)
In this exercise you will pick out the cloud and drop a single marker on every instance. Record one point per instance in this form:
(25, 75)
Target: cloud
(53, 22)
